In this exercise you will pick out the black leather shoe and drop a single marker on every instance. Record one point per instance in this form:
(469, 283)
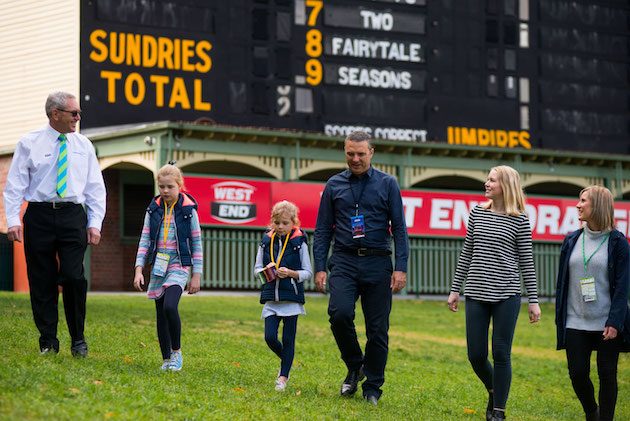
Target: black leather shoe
(593, 416)
(79, 349)
(371, 399)
(350, 384)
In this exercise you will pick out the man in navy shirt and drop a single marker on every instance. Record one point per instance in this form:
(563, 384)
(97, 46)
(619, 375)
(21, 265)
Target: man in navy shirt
(361, 208)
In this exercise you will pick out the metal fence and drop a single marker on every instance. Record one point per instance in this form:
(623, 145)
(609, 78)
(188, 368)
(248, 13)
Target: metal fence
(230, 256)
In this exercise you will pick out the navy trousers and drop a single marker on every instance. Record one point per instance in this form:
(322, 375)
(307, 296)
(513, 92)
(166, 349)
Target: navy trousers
(369, 278)
(285, 349)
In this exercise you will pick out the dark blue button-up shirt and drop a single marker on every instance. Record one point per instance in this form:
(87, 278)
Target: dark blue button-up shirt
(380, 203)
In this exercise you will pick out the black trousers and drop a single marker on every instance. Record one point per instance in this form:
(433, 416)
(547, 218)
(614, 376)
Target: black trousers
(169, 325)
(368, 277)
(579, 346)
(55, 241)
(504, 315)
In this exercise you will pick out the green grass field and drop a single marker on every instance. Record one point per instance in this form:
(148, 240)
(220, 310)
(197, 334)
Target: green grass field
(229, 372)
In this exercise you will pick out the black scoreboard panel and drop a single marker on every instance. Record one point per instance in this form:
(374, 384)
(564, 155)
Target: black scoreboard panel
(505, 73)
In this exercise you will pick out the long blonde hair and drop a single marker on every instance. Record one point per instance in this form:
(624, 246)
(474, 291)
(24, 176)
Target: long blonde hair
(513, 195)
(603, 207)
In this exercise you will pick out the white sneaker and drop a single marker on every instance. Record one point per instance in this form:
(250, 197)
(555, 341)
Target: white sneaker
(167, 363)
(177, 360)
(281, 385)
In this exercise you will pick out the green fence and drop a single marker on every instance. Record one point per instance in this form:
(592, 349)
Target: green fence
(230, 256)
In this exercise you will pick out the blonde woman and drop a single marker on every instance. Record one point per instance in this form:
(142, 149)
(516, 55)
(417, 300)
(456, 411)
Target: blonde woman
(497, 251)
(591, 301)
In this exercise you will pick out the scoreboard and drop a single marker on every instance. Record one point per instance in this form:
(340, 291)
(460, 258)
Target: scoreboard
(502, 73)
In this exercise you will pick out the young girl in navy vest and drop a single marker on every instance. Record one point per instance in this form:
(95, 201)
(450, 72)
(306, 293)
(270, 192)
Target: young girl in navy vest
(285, 246)
(171, 242)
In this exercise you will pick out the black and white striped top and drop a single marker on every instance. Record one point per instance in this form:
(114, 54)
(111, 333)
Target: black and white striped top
(497, 249)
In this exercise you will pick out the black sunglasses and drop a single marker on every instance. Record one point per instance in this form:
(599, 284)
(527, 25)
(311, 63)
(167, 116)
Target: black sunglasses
(74, 113)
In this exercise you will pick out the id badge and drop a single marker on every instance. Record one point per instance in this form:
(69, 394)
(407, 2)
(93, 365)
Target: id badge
(358, 226)
(161, 263)
(587, 287)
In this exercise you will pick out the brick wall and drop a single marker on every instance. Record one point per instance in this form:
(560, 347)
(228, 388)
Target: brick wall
(112, 261)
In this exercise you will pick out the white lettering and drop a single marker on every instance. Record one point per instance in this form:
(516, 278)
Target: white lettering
(570, 221)
(374, 78)
(376, 49)
(233, 211)
(548, 217)
(231, 193)
(376, 20)
(440, 214)
(409, 205)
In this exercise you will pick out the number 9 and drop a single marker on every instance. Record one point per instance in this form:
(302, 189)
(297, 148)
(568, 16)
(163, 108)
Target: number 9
(313, 69)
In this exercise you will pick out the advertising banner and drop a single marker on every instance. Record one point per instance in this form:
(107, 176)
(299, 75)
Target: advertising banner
(233, 202)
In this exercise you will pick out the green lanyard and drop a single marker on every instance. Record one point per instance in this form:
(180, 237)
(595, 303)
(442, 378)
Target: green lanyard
(593, 254)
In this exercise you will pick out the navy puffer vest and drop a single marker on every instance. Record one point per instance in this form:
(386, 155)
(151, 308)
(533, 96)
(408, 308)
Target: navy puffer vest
(182, 213)
(287, 289)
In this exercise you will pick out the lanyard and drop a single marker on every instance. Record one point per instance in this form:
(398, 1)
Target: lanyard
(363, 182)
(167, 220)
(286, 241)
(593, 254)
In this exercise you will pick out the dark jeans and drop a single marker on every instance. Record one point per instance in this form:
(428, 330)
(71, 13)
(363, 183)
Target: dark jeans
(368, 277)
(504, 315)
(169, 326)
(579, 346)
(286, 349)
(55, 241)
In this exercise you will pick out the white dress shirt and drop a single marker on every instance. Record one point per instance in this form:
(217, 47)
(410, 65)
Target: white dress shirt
(33, 175)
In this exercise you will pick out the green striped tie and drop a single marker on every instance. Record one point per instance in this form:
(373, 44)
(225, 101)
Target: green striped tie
(62, 166)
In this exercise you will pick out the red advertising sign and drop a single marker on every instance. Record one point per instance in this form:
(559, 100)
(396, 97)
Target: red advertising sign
(248, 203)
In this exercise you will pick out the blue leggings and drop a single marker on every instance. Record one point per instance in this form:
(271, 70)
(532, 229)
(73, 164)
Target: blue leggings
(504, 315)
(169, 326)
(286, 349)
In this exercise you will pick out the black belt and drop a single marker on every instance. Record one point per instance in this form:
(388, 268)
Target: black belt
(366, 252)
(53, 205)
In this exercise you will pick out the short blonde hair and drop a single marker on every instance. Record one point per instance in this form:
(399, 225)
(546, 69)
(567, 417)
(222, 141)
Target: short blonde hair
(513, 195)
(287, 208)
(173, 171)
(603, 207)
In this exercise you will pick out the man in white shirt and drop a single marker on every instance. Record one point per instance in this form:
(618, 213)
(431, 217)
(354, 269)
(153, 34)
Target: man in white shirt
(56, 171)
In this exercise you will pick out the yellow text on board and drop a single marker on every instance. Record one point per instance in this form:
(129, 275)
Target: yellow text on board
(488, 137)
(150, 52)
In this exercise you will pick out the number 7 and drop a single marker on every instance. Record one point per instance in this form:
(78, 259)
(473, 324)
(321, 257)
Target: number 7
(317, 7)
